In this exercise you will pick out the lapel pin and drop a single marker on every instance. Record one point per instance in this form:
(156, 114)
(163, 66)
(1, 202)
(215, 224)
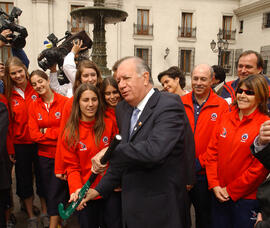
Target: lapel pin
(140, 124)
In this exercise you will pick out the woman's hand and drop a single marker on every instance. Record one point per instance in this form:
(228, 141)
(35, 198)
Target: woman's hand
(74, 196)
(61, 176)
(90, 195)
(97, 167)
(221, 194)
(43, 130)
(12, 158)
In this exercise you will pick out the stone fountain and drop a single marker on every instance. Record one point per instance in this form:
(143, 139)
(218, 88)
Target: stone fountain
(99, 16)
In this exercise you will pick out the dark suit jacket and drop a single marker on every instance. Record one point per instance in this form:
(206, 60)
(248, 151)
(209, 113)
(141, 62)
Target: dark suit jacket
(263, 194)
(5, 179)
(152, 165)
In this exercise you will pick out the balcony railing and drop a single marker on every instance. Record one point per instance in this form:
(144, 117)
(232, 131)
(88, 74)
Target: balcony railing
(186, 32)
(140, 29)
(228, 34)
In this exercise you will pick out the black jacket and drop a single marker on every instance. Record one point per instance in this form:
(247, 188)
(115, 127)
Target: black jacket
(153, 165)
(263, 194)
(5, 177)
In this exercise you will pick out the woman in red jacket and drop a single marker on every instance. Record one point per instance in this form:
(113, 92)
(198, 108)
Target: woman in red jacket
(111, 96)
(86, 133)
(233, 173)
(87, 72)
(20, 94)
(44, 123)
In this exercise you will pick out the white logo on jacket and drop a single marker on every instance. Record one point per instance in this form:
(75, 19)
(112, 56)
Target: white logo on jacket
(244, 137)
(82, 146)
(34, 97)
(105, 140)
(214, 116)
(223, 133)
(39, 116)
(58, 115)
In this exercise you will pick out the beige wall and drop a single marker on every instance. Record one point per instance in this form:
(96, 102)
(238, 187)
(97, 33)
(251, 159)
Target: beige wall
(41, 17)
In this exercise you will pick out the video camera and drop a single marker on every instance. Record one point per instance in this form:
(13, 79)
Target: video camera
(19, 33)
(56, 54)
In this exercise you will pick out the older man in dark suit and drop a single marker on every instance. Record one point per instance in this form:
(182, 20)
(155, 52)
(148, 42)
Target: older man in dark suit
(151, 164)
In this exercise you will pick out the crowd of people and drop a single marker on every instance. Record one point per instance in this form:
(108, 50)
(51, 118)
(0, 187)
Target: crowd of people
(206, 147)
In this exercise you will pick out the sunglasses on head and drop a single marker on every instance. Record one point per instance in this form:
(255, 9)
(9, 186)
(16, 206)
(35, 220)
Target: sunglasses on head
(247, 92)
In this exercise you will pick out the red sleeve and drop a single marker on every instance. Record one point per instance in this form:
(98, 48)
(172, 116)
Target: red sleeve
(248, 182)
(59, 167)
(224, 108)
(211, 157)
(72, 164)
(34, 130)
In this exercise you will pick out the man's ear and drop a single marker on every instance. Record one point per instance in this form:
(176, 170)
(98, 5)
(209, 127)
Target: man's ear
(146, 78)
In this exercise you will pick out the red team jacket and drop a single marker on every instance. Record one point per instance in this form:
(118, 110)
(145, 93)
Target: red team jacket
(209, 116)
(39, 117)
(229, 160)
(78, 158)
(20, 118)
(59, 165)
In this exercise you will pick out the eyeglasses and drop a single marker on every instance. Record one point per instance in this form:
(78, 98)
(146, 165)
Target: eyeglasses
(247, 92)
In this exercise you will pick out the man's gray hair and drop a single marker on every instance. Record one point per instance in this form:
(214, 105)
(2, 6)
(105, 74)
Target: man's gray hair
(141, 66)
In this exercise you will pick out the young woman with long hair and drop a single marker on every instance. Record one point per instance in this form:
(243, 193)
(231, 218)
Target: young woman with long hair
(233, 173)
(20, 94)
(87, 72)
(44, 124)
(86, 133)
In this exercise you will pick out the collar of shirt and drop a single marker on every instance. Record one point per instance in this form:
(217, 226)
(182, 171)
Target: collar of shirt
(20, 91)
(144, 101)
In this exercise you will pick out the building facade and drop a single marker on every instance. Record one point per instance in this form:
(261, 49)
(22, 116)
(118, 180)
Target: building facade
(164, 33)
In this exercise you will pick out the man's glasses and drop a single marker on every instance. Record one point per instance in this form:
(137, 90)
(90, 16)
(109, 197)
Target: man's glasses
(247, 92)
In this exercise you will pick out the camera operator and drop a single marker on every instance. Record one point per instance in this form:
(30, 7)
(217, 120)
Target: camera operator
(4, 36)
(69, 68)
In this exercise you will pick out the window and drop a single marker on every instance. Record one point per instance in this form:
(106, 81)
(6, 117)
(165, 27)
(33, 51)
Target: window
(143, 22)
(5, 52)
(265, 63)
(186, 59)
(227, 61)
(144, 52)
(266, 20)
(265, 53)
(241, 26)
(186, 29)
(227, 27)
(76, 26)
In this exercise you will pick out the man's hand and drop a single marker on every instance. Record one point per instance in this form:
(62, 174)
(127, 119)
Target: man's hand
(259, 219)
(90, 195)
(97, 167)
(5, 34)
(221, 194)
(77, 47)
(264, 134)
